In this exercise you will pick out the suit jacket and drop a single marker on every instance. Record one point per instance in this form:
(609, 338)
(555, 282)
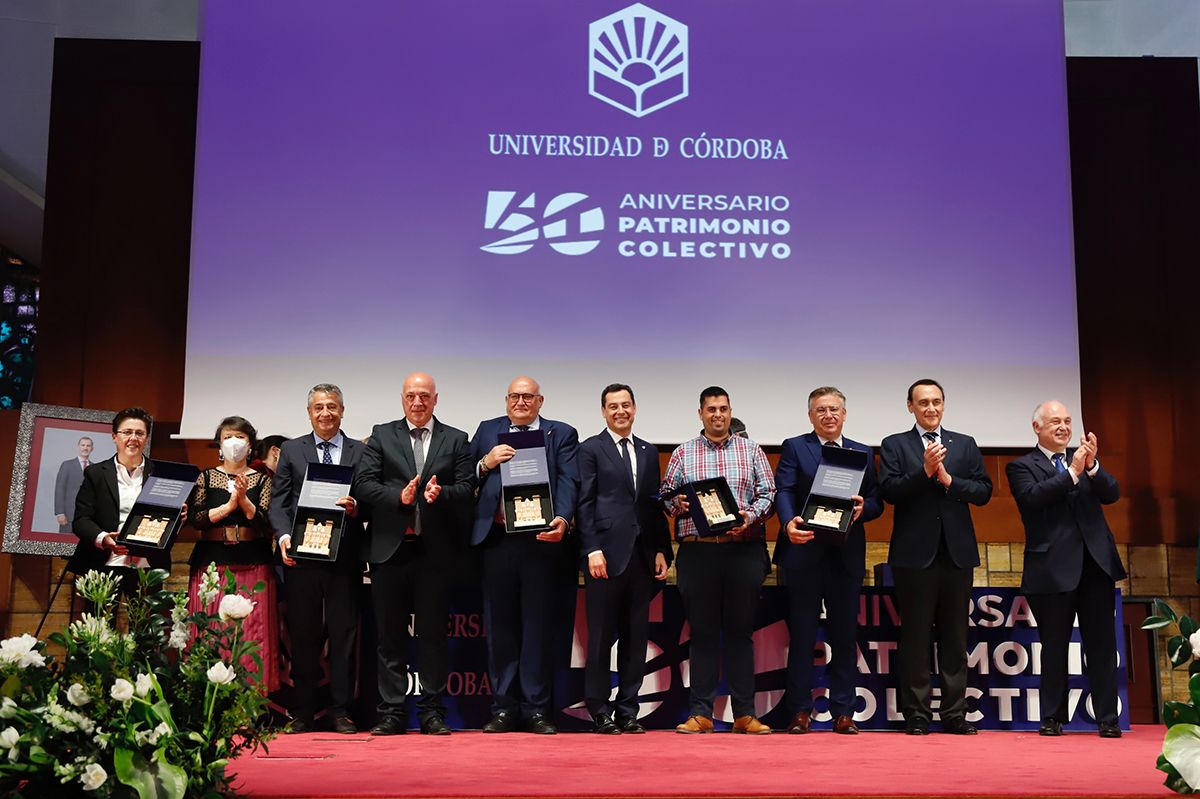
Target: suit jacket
(924, 509)
(1061, 520)
(799, 458)
(98, 510)
(614, 515)
(562, 445)
(386, 468)
(294, 457)
(66, 487)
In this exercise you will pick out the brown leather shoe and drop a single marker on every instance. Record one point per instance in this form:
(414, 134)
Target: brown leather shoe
(845, 725)
(801, 723)
(750, 726)
(695, 724)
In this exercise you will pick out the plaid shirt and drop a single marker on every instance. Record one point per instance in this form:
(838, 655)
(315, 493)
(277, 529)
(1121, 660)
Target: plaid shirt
(739, 460)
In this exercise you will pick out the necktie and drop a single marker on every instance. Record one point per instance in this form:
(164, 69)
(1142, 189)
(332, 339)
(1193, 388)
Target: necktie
(325, 447)
(418, 445)
(626, 456)
(1059, 466)
(931, 437)
(85, 463)
(833, 444)
(522, 427)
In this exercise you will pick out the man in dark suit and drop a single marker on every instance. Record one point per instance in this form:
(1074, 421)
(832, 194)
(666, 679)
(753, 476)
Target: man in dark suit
(415, 477)
(521, 571)
(1071, 562)
(67, 482)
(626, 546)
(933, 476)
(107, 495)
(822, 571)
(317, 590)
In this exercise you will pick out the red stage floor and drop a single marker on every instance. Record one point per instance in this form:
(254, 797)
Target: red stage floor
(664, 764)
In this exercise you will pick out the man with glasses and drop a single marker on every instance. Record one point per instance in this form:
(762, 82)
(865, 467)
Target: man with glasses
(415, 477)
(819, 572)
(522, 570)
(107, 495)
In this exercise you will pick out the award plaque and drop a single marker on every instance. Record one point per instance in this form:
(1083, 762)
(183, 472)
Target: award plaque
(829, 509)
(711, 506)
(319, 521)
(525, 482)
(154, 520)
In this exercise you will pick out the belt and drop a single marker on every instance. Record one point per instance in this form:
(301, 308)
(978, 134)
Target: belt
(230, 535)
(727, 538)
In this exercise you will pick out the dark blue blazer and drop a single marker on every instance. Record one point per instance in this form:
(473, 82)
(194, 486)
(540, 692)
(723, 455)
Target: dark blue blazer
(615, 515)
(562, 445)
(924, 509)
(1061, 519)
(799, 458)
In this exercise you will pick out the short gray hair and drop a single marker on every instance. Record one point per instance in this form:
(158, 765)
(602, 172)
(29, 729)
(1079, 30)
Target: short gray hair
(825, 391)
(325, 388)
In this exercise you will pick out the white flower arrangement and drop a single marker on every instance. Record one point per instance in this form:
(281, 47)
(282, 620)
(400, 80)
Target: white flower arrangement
(93, 776)
(122, 690)
(234, 606)
(21, 651)
(220, 674)
(77, 695)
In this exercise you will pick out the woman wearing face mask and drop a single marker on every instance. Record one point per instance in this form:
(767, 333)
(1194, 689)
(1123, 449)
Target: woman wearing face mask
(229, 508)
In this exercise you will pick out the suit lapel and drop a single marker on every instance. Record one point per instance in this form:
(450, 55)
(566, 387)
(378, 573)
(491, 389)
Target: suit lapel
(613, 453)
(643, 452)
(436, 438)
(1045, 464)
(310, 450)
(916, 444)
(110, 480)
(814, 450)
(404, 439)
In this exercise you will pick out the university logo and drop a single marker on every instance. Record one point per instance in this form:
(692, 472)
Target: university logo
(638, 60)
(564, 223)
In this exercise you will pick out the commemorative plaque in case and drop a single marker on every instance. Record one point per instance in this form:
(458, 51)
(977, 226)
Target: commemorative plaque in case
(319, 522)
(154, 520)
(525, 481)
(711, 506)
(829, 509)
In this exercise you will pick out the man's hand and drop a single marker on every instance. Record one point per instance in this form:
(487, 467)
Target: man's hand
(350, 504)
(684, 507)
(61, 518)
(1079, 460)
(1093, 447)
(741, 528)
(408, 494)
(432, 490)
(558, 528)
(934, 455)
(943, 477)
(859, 504)
(797, 534)
(660, 566)
(498, 455)
(285, 545)
(598, 566)
(109, 542)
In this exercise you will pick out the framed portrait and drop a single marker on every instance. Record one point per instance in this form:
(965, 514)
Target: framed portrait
(54, 445)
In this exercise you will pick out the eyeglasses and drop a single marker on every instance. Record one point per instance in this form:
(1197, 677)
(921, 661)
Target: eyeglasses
(828, 410)
(132, 433)
(527, 398)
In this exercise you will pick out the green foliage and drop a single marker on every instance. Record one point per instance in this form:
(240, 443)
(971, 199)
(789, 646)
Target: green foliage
(1180, 758)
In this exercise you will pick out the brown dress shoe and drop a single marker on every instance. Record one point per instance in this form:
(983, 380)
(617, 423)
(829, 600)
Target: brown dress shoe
(750, 726)
(801, 723)
(845, 725)
(695, 724)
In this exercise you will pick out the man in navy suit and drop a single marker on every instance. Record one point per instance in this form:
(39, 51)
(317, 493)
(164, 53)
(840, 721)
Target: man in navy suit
(521, 570)
(820, 571)
(67, 483)
(317, 590)
(933, 476)
(626, 547)
(1071, 562)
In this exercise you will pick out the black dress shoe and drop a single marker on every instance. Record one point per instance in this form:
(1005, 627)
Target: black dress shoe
(1109, 729)
(501, 722)
(605, 725)
(959, 726)
(344, 725)
(539, 724)
(1050, 727)
(434, 725)
(917, 725)
(389, 725)
(301, 725)
(631, 726)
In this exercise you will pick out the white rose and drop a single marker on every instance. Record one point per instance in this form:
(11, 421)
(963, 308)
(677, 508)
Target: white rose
(1194, 640)
(20, 650)
(93, 776)
(144, 684)
(221, 674)
(234, 606)
(8, 708)
(77, 695)
(9, 737)
(122, 690)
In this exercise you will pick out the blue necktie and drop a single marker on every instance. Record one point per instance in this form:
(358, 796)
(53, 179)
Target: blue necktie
(1059, 465)
(931, 437)
(325, 447)
(626, 456)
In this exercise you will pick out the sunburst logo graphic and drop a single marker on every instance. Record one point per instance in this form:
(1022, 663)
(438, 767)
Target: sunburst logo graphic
(638, 60)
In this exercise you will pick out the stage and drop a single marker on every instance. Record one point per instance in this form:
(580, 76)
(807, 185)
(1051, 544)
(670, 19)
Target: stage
(665, 764)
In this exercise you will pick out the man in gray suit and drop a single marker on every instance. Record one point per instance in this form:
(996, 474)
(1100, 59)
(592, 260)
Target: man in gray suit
(66, 485)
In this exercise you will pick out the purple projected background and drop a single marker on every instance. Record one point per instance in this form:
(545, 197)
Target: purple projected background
(920, 213)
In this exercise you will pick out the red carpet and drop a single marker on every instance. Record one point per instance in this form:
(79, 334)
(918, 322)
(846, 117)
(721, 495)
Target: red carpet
(664, 764)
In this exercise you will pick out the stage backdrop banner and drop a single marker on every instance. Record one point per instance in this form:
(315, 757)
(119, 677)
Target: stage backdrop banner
(767, 195)
(1003, 659)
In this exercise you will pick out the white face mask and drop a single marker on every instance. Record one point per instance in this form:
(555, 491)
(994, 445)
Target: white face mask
(234, 449)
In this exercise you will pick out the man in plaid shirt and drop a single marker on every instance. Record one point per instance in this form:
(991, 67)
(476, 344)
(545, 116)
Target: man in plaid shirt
(719, 576)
